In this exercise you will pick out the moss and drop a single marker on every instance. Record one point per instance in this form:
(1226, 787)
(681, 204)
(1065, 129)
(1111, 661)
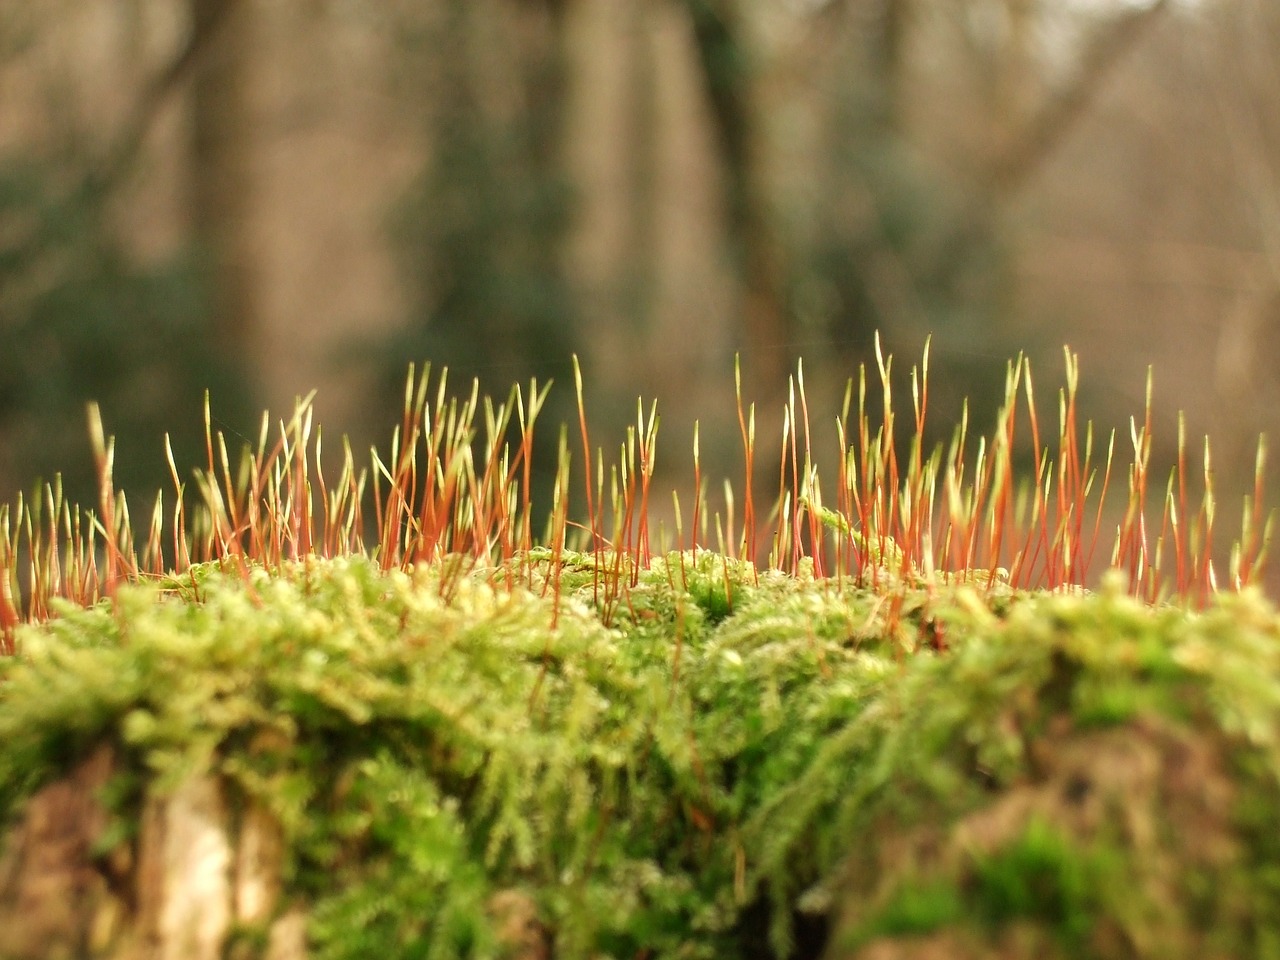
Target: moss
(1040, 876)
(653, 770)
(912, 910)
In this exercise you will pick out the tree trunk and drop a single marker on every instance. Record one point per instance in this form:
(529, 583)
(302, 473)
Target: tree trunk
(221, 173)
(888, 37)
(724, 60)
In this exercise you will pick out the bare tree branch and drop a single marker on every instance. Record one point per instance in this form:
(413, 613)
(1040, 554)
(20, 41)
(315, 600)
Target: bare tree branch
(124, 150)
(1055, 119)
(1047, 129)
(25, 245)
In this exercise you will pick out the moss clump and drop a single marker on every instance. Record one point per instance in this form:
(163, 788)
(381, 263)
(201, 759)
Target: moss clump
(425, 752)
(1088, 769)
(1040, 876)
(915, 909)
(717, 754)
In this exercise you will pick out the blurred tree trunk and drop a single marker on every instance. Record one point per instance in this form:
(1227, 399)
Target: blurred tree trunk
(545, 83)
(725, 60)
(1018, 78)
(640, 280)
(221, 174)
(483, 232)
(887, 52)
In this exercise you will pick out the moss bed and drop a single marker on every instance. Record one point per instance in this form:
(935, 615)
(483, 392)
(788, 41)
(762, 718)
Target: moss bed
(728, 764)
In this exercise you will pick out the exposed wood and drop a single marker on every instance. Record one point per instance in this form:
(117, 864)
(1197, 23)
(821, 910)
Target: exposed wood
(50, 889)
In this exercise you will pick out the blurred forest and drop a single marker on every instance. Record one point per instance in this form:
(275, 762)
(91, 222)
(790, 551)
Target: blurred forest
(262, 197)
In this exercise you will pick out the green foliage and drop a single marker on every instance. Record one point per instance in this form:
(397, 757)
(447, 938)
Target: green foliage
(1039, 876)
(915, 909)
(416, 891)
(433, 752)
(655, 775)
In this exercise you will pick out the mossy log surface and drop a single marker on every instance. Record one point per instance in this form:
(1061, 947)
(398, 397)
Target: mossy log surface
(327, 761)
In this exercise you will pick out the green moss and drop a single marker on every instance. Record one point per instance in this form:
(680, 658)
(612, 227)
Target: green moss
(914, 909)
(660, 767)
(246, 943)
(416, 888)
(1041, 876)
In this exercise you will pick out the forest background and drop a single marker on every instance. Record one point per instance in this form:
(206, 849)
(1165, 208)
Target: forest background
(265, 197)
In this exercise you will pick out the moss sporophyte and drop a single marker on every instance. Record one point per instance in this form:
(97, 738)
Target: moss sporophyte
(438, 720)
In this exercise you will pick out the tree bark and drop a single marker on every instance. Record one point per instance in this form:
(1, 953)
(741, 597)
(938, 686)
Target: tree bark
(221, 174)
(888, 59)
(724, 60)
